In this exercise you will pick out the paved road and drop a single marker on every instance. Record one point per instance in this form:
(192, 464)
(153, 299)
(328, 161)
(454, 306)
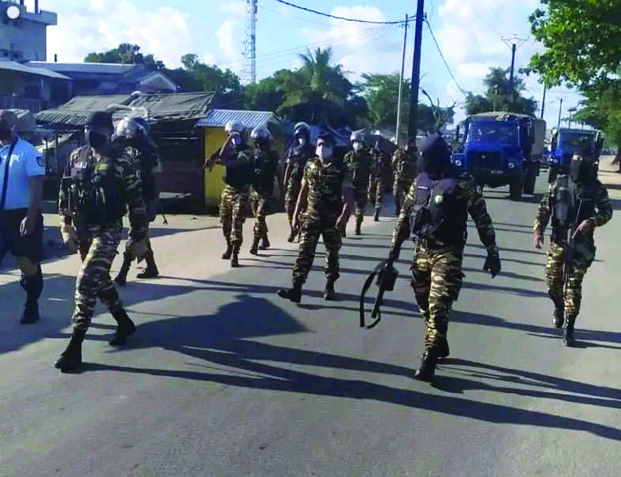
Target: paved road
(224, 378)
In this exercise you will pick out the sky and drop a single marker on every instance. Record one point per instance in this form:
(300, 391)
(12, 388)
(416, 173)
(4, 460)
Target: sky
(469, 34)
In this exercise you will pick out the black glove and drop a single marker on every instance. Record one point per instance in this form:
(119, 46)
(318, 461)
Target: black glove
(492, 263)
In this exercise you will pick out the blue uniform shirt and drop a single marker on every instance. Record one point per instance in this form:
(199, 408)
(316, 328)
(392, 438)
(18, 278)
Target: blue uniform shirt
(25, 162)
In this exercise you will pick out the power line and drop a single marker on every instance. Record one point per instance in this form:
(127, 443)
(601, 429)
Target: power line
(335, 17)
(465, 93)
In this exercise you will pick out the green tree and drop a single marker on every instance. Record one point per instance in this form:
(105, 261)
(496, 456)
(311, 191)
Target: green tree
(267, 94)
(500, 96)
(582, 41)
(602, 110)
(125, 53)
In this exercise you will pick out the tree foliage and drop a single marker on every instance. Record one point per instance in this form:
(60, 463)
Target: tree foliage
(501, 96)
(602, 110)
(125, 53)
(582, 40)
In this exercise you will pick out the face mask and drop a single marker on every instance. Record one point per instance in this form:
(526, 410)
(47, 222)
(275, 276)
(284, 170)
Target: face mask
(582, 170)
(324, 152)
(302, 141)
(237, 140)
(358, 146)
(96, 140)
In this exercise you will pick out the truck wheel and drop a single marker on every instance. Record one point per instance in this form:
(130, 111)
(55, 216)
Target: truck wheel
(529, 182)
(515, 188)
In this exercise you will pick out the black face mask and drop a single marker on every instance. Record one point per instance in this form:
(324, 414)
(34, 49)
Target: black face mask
(96, 140)
(5, 134)
(582, 170)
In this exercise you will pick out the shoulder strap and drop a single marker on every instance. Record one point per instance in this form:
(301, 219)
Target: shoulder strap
(5, 185)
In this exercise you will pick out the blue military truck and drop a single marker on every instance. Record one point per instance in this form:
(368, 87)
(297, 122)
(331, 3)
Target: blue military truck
(501, 149)
(567, 142)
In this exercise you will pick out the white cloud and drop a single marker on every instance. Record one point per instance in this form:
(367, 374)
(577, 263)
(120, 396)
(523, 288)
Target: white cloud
(235, 7)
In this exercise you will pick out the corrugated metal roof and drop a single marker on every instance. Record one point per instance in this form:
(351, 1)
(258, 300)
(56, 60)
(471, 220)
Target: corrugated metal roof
(217, 118)
(14, 66)
(95, 68)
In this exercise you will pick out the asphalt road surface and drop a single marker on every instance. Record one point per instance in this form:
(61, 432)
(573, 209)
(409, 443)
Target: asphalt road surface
(225, 378)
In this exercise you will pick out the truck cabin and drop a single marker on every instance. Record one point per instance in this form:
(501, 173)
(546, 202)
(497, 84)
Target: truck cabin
(489, 130)
(567, 142)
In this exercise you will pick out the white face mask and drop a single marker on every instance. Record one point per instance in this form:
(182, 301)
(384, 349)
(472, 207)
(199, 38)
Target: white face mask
(358, 146)
(302, 141)
(324, 152)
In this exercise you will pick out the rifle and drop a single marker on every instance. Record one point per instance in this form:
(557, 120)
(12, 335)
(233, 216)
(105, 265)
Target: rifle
(386, 278)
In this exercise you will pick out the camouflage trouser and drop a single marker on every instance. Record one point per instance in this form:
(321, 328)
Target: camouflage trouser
(360, 199)
(571, 296)
(291, 198)
(312, 229)
(436, 280)
(260, 201)
(376, 192)
(400, 190)
(233, 204)
(97, 253)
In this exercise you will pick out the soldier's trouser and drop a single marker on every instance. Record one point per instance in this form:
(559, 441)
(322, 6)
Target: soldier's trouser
(232, 207)
(94, 280)
(376, 192)
(260, 201)
(291, 198)
(360, 198)
(312, 229)
(400, 190)
(571, 296)
(436, 280)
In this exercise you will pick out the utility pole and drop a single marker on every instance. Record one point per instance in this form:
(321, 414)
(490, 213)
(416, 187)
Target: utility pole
(400, 100)
(514, 43)
(418, 43)
(250, 43)
(543, 101)
(560, 109)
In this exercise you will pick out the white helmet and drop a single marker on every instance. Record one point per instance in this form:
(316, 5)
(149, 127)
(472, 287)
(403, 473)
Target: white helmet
(129, 128)
(357, 136)
(234, 126)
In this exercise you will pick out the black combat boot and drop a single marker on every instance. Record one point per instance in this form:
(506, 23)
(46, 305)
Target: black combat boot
(265, 243)
(292, 294)
(121, 278)
(427, 366)
(358, 225)
(229, 251)
(559, 316)
(376, 216)
(151, 270)
(443, 349)
(254, 250)
(235, 257)
(125, 327)
(71, 358)
(33, 287)
(397, 210)
(291, 237)
(568, 334)
(329, 294)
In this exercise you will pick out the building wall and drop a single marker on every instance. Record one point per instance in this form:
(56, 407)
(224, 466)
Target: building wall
(26, 39)
(214, 179)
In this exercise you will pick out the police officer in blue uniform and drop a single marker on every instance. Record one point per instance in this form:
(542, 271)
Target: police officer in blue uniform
(22, 173)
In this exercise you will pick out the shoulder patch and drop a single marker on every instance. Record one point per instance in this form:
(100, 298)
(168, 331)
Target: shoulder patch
(40, 162)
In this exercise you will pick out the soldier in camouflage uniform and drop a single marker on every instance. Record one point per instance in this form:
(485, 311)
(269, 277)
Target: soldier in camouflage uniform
(379, 165)
(358, 161)
(327, 197)
(576, 203)
(404, 168)
(265, 167)
(436, 211)
(236, 156)
(99, 184)
(298, 155)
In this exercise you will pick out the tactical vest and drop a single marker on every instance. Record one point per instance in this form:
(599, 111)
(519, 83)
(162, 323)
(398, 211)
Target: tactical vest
(148, 161)
(240, 176)
(264, 169)
(437, 214)
(298, 158)
(571, 205)
(95, 192)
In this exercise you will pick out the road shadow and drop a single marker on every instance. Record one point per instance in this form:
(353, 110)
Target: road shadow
(222, 352)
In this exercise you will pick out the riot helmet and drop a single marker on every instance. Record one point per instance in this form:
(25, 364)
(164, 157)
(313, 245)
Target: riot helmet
(235, 129)
(583, 166)
(435, 155)
(302, 133)
(98, 129)
(261, 136)
(358, 140)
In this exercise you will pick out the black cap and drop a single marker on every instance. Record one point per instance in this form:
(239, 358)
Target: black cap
(101, 119)
(435, 147)
(327, 138)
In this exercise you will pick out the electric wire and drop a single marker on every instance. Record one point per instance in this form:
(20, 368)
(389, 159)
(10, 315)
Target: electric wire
(464, 92)
(336, 17)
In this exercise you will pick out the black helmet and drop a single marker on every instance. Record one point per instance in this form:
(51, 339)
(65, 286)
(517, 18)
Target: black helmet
(435, 155)
(100, 119)
(301, 129)
(261, 133)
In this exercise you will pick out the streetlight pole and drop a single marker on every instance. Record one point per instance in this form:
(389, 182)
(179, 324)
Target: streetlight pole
(560, 109)
(418, 41)
(400, 100)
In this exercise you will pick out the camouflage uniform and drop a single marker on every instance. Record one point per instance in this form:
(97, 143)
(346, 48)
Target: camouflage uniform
(376, 184)
(265, 168)
(404, 167)
(359, 165)
(115, 180)
(598, 208)
(325, 205)
(437, 266)
(234, 198)
(296, 162)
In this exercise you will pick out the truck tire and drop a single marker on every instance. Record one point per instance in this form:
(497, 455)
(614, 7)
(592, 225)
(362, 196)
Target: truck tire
(529, 181)
(515, 188)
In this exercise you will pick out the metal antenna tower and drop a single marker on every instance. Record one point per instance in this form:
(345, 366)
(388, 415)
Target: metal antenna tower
(514, 43)
(250, 43)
